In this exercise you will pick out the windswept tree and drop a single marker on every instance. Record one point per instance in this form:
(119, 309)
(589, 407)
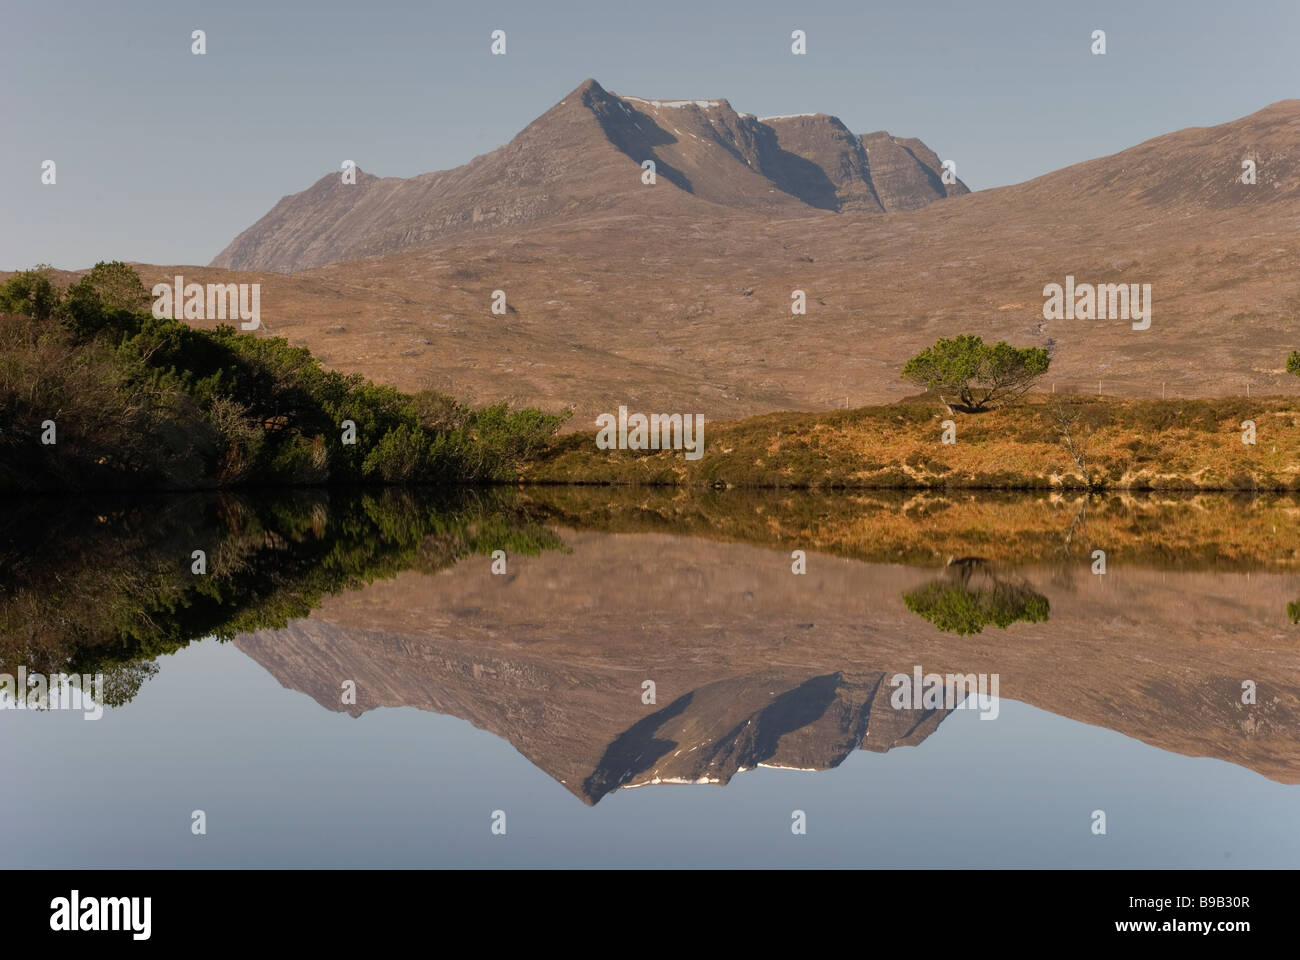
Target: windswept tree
(978, 374)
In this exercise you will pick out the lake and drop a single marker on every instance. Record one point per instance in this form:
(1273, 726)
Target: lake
(654, 678)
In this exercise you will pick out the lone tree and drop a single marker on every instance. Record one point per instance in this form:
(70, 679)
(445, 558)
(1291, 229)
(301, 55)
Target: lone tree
(979, 374)
(1293, 363)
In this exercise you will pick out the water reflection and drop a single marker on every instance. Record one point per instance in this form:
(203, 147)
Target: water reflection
(971, 596)
(749, 664)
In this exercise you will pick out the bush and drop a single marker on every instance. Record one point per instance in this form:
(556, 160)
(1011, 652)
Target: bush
(109, 297)
(30, 293)
(141, 401)
(437, 411)
(400, 455)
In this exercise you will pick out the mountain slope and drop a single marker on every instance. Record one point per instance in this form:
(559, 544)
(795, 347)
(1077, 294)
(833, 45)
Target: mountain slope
(1190, 170)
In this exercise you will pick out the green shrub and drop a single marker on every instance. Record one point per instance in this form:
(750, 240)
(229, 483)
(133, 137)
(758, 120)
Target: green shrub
(141, 401)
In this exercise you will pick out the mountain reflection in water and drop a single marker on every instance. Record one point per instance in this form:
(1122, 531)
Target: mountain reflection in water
(609, 591)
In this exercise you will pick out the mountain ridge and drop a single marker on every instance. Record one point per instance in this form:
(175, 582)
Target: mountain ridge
(585, 155)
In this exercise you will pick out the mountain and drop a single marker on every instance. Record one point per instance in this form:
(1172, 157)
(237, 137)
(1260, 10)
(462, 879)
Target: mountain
(667, 301)
(585, 155)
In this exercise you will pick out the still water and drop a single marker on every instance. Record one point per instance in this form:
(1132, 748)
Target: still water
(649, 681)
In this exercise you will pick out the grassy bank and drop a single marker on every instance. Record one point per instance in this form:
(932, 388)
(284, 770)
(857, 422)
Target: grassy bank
(1157, 445)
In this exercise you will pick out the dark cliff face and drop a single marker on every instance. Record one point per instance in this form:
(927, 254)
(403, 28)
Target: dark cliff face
(819, 160)
(585, 156)
(907, 174)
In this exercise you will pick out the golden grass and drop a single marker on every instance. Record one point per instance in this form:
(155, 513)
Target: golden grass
(1160, 445)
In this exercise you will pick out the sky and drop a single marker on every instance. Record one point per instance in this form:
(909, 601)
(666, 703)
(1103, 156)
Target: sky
(163, 156)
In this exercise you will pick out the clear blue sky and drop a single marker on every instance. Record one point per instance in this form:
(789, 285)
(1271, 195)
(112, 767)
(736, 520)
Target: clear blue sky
(164, 156)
